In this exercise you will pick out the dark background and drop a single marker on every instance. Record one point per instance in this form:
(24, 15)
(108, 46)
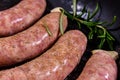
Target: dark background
(108, 9)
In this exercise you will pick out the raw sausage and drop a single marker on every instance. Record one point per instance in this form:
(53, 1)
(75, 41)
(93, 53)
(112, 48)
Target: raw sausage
(55, 64)
(31, 42)
(100, 66)
(21, 16)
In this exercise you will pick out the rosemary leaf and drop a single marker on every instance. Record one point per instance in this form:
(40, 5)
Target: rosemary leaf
(67, 14)
(61, 23)
(101, 36)
(102, 23)
(90, 35)
(95, 30)
(84, 10)
(103, 29)
(74, 7)
(110, 37)
(101, 43)
(110, 43)
(94, 12)
(90, 23)
(88, 16)
(113, 21)
(47, 29)
(79, 25)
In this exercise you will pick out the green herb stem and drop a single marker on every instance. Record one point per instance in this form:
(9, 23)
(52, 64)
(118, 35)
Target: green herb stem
(61, 23)
(74, 7)
(104, 30)
(47, 29)
(94, 12)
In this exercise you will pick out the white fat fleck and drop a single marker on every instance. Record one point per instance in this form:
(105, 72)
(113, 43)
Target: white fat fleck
(48, 73)
(7, 20)
(65, 61)
(55, 69)
(107, 76)
(38, 42)
(17, 20)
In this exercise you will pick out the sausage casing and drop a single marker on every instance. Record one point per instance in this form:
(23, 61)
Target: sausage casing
(21, 16)
(54, 64)
(100, 66)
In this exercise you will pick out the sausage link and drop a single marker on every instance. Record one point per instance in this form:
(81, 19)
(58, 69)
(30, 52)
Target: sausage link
(54, 64)
(31, 42)
(100, 66)
(21, 16)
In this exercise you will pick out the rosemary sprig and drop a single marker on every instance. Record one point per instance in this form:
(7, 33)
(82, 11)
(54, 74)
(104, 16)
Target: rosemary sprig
(96, 29)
